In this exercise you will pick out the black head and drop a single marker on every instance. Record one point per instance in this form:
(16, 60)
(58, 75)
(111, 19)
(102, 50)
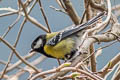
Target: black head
(38, 44)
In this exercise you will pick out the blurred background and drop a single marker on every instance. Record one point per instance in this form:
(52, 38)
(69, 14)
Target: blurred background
(56, 20)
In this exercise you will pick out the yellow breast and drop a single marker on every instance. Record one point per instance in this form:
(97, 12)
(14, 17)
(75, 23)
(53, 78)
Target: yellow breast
(60, 49)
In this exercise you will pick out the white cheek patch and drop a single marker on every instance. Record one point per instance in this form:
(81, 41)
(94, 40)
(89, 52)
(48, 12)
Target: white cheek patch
(38, 44)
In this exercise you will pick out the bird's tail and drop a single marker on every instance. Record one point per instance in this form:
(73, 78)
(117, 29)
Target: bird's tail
(83, 26)
(93, 20)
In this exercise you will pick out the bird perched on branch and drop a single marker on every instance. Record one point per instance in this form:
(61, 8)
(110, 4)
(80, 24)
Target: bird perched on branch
(62, 45)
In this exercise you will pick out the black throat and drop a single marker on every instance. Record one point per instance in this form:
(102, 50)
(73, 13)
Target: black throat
(41, 49)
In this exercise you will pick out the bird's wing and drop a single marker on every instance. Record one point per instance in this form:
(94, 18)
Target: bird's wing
(60, 36)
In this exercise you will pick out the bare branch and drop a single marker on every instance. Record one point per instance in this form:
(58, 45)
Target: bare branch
(3, 62)
(59, 10)
(5, 76)
(11, 26)
(112, 63)
(116, 7)
(103, 24)
(45, 18)
(64, 70)
(88, 37)
(17, 54)
(28, 69)
(8, 9)
(116, 75)
(17, 39)
(6, 66)
(100, 7)
(71, 12)
(31, 19)
(11, 54)
(8, 13)
(60, 3)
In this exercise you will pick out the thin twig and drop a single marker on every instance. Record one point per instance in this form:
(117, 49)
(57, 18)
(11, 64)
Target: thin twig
(99, 49)
(100, 7)
(6, 66)
(17, 54)
(102, 26)
(8, 13)
(11, 26)
(107, 68)
(87, 9)
(5, 76)
(71, 12)
(43, 13)
(60, 3)
(83, 16)
(62, 70)
(17, 39)
(91, 49)
(19, 62)
(31, 19)
(18, 67)
(116, 75)
(11, 54)
(27, 2)
(8, 9)
(13, 11)
(28, 69)
(59, 10)
(22, 25)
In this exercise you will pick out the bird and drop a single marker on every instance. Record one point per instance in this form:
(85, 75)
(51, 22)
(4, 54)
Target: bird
(62, 44)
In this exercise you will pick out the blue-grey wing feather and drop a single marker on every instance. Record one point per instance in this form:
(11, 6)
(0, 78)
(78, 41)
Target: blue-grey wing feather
(62, 35)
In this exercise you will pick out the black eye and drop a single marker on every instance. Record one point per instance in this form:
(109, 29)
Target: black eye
(33, 44)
